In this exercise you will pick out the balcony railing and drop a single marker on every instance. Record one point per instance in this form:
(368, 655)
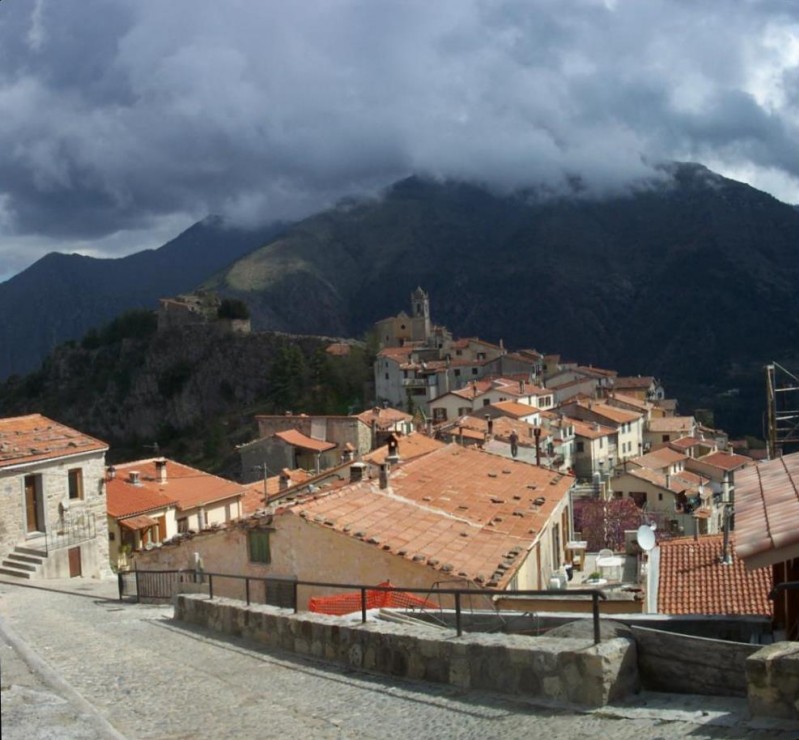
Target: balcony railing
(68, 533)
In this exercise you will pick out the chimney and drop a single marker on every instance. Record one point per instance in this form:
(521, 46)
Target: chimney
(112, 472)
(134, 477)
(489, 424)
(384, 476)
(668, 480)
(285, 479)
(356, 472)
(521, 386)
(160, 470)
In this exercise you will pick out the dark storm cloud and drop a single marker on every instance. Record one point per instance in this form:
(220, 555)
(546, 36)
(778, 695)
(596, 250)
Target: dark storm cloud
(120, 118)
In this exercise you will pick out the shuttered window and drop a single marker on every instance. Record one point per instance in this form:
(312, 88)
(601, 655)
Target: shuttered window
(259, 547)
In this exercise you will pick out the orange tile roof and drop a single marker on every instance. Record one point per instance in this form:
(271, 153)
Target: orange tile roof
(589, 430)
(296, 438)
(253, 498)
(672, 424)
(630, 400)
(614, 414)
(138, 522)
(660, 458)
(383, 416)
(688, 442)
(27, 439)
(459, 510)
(676, 485)
(725, 460)
(408, 448)
(767, 509)
(634, 382)
(692, 580)
(185, 486)
(514, 409)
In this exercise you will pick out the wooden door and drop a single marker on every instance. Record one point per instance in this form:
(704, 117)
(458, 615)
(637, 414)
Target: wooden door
(161, 528)
(74, 562)
(32, 504)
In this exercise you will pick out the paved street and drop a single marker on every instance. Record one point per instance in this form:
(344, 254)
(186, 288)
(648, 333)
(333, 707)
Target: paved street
(79, 664)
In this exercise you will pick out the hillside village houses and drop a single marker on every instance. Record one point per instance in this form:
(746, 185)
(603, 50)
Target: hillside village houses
(52, 500)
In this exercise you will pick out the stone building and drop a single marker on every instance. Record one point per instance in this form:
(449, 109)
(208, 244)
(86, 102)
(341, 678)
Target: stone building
(52, 500)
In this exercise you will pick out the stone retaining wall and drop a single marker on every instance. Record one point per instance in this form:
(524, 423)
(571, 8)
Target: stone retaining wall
(570, 670)
(772, 675)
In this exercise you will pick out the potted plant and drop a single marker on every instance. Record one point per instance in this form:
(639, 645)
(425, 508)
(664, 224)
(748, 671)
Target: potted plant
(594, 577)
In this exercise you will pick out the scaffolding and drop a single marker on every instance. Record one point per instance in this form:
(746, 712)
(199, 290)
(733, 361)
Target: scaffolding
(782, 392)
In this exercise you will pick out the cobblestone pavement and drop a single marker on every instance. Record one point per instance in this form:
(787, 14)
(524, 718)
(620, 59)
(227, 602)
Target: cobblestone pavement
(76, 663)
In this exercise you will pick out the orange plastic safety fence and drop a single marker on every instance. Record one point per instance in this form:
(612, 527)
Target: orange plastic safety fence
(351, 602)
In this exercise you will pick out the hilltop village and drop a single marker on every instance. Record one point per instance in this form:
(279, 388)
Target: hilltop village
(476, 467)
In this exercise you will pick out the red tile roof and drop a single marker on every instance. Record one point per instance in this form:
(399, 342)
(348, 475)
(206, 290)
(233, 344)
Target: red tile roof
(767, 510)
(253, 498)
(589, 430)
(408, 448)
(383, 416)
(634, 382)
(297, 439)
(27, 439)
(612, 413)
(459, 510)
(725, 460)
(662, 458)
(681, 424)
(185, 486)
(692, 580)
(513, 409)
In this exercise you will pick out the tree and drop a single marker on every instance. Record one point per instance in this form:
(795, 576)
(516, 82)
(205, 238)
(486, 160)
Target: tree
(603, 523)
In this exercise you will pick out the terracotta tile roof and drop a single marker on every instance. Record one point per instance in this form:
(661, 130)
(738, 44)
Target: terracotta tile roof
(27, 439)
(685, 443)
(591, 370)
(634, 382)
(611, 413)
(767, 509)
(692, 580)
(459, 510)
(658, 459)
(185, 486)
(633, 401)
(589, 430)
(138, 522)
(383, 416)
(297, 439)
(681, 424)
(725, 460)
(513, 409)
(503, 427)
(338, 349)
(676, 484)
(253, 498)
(398, 354)
(409, 447)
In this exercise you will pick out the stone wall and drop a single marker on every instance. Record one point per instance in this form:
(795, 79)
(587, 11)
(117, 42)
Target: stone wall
(570, 670)
(772, 675)
(54, 478)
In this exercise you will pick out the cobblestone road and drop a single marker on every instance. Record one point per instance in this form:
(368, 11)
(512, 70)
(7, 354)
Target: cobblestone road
(82, 665)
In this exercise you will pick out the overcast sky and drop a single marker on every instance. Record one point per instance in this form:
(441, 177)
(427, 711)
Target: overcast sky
(124, 121)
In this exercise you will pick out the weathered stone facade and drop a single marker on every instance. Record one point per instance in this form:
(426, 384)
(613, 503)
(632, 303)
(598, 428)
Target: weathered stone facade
(59, 513)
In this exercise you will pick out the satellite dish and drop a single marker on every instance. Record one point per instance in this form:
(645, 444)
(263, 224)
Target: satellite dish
(645, 537)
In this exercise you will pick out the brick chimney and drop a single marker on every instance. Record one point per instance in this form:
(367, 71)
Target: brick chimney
(384, 468)
(133, 477)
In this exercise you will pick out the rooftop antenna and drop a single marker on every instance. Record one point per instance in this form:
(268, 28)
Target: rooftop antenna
(154, 447)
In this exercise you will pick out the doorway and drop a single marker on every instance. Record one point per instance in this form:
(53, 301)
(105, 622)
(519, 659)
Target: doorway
(75, 565)
(34, 516)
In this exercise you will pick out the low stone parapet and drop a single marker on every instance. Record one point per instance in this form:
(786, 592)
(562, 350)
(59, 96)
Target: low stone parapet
(772, 675)
(569, 670)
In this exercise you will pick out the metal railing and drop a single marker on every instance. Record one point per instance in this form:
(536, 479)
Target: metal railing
(282, 591)
(70, 533)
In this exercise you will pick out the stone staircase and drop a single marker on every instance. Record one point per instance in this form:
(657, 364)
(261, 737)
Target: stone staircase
(23, 562)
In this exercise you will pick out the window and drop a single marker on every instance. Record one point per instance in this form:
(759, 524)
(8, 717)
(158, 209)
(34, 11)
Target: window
(580, 447)
(75, 483)
(439, 414)
(486, 401)
(474, 371)
(183, 525)
(666, 437)
(258, 543)
(457, 372)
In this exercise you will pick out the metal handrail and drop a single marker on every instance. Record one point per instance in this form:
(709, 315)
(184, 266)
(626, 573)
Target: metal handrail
(71, 533)
(457, 593)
